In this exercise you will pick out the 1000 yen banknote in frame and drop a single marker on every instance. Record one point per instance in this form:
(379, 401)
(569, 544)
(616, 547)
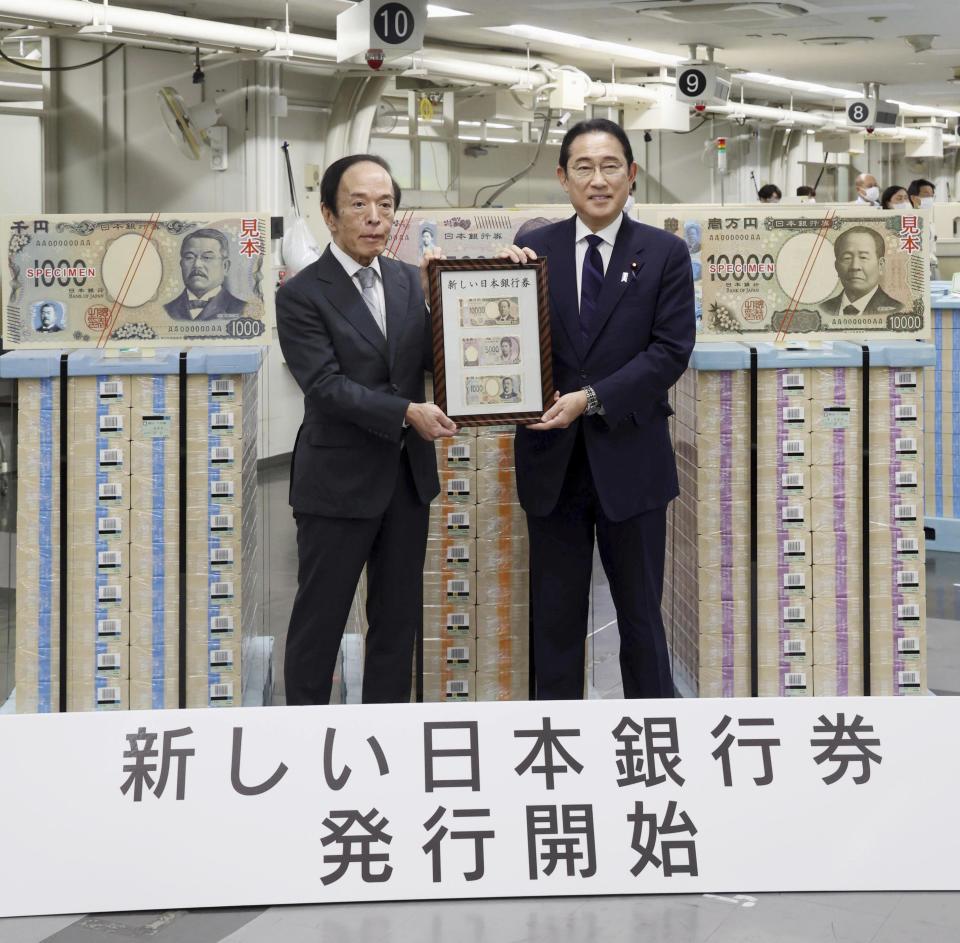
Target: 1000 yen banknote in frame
(492, 352)
(136, 280)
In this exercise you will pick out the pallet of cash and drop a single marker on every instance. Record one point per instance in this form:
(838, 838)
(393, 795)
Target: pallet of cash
(942, 422)
(221, 538)
(37, 665)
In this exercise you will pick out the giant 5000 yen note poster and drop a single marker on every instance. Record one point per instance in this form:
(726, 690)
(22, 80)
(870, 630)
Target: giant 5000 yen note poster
(124, 280)
(824, 272)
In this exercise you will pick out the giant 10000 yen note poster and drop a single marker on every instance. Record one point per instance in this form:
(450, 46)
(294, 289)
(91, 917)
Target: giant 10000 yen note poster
(147, 280)
(821, 273)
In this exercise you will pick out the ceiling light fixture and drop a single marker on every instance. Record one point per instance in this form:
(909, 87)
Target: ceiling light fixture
(435, 12)
(571, 40)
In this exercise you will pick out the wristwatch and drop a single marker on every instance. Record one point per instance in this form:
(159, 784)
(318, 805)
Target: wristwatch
(593, 401)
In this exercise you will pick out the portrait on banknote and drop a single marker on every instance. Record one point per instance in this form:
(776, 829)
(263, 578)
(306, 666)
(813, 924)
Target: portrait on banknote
(491, 340)
(136, 280)
(813, 273)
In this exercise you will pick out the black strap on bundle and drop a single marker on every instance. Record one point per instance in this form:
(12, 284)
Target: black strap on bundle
(754, 573)
(865, 513)
(64, 527)
(182, 540)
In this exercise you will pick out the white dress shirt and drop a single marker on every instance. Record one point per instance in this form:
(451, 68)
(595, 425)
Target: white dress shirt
(860, 303)
(608, 235)
(351, 266)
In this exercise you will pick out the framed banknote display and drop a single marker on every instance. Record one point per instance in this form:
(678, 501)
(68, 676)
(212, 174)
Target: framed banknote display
(491, 340)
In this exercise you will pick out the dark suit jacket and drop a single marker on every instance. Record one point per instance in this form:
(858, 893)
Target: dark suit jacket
(880, 303)
(219, 306)
(356, 386)
(638, 347)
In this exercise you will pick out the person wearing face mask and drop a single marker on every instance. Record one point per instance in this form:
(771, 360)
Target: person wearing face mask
(922, 193)
(769, 193)
(868, 190)
(894, 197)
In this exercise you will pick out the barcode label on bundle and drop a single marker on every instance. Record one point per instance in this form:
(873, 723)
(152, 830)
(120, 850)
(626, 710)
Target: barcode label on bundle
(221, 692)
(108, 661)
(110, 491)
(908, 612)
(221, 657)
(793, 414)
(791, 481)
(459, 655)
(906, 446)
(221, 421)
(906, 412)
(905, 378)
(908, 679)
(458, 622)
(221, 489)
(221, 387)
(110, 525)
(221, 624)
(111, 423)
(111, 389)
(458, 453)
(907, 479)
(221, 590)
(458, 587)
(111, 458)
(459, 520)
(109, 593)
(908, 578)
(221, 522)
(108, 696)
(108, 628)
(459, 553)
(795, 646)
(794, 548)
(793, 447)
(909, 645)
(908, 545)
(794, 581)
(458, 486)
(905, 512)
(793, 512)
(221, 455)
(221, 556)
(109, 559)
(795, 680)
(793, 381)
(794, 614)
(458, 689)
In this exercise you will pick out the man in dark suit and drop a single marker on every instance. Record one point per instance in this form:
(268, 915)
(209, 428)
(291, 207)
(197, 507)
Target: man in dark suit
(859, 259)
(355, 333)
(600, 464)
(204, 264)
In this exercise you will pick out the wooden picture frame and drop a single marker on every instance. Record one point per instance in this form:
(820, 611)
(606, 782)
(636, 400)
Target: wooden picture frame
(492, 352)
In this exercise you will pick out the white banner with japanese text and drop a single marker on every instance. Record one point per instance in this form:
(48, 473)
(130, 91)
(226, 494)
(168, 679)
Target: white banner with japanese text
(205, 808)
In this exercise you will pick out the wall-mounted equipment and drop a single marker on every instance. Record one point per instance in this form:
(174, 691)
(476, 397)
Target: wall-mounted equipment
(376, 31)
(190, 128)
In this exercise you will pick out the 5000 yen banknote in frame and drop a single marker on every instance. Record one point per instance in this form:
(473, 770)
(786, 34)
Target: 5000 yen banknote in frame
(822, 273)
(492, 354)
(136, 280)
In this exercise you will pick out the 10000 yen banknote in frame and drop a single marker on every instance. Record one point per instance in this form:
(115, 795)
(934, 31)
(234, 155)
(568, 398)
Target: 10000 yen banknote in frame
(136, 280)
(492, 352)
(834, 273)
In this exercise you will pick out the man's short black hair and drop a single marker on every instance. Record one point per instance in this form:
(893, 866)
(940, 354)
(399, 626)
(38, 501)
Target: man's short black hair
(593, 126)
(806, 191)
(917, 185)
(334, 174)
(769, 190)
(214, 234)
(856, 230)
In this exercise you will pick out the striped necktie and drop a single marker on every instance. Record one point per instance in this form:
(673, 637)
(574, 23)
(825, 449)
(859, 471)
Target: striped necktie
(591, 283)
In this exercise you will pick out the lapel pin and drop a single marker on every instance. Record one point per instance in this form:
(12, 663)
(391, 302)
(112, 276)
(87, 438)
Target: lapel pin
(626, 275)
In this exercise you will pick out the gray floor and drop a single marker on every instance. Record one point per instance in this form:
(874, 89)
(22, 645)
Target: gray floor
(727, 918)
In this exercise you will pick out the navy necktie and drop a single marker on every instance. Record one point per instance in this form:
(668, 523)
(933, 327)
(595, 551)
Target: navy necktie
(590, 284)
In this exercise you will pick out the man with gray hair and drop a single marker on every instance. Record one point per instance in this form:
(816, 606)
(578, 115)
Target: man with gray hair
(868, 190)
(204, 264)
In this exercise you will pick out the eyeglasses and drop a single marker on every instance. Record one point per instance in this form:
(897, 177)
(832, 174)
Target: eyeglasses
(588, 171)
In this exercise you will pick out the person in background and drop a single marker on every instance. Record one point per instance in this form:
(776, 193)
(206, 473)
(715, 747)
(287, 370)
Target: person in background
(922, 193)
(894, 197)
(868, 190)
(769, 193)
(808, 193)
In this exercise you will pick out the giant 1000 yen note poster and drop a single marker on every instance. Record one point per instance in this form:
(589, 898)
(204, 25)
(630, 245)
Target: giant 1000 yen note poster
(147, 280)
(795, 273)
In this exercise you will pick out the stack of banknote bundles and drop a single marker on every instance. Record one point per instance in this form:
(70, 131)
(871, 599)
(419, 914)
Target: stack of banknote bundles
(942, 415)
